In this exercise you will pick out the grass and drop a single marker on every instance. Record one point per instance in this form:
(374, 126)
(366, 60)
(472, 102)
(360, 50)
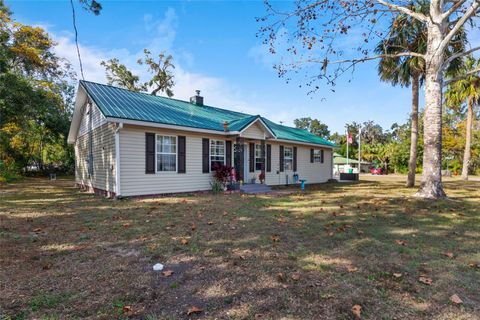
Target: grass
(67, 255)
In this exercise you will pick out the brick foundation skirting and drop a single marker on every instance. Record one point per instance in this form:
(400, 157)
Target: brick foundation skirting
(96, 191)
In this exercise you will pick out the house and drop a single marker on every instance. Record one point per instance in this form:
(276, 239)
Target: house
(130, 144)
(340, 164)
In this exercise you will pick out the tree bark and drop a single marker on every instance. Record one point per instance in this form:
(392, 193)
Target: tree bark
(431, 186)
(412, 162)
(468, 140)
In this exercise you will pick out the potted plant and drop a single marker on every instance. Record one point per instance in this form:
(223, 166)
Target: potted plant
(261, 177)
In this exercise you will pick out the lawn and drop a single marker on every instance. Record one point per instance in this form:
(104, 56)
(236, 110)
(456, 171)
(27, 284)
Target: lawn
(66, 254)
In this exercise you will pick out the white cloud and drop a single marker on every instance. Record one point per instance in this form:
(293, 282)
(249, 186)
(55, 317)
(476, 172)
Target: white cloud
(161, 33)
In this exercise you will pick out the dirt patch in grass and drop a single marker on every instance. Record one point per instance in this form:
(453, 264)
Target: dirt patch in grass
(313, 255)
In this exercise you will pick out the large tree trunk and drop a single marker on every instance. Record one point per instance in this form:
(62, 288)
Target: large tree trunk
(468, 140)
(431, 186)
(412, 162)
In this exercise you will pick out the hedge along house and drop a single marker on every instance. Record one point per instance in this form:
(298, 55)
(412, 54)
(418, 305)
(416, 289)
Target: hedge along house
(130, 144)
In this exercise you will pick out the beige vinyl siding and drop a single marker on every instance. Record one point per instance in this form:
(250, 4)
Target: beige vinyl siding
(90, 121)
(134, 180)
(103, 147)
(312, 172)
(255, 131)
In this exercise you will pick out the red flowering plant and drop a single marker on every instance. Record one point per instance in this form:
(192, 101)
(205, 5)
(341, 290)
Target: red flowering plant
(222, 173)
(261, 177)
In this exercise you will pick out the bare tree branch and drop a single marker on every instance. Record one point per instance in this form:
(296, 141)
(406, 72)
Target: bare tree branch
(413, 14)
(396, 55)
(453, 8)
(463, 76)
(467, 15)
(458, 55)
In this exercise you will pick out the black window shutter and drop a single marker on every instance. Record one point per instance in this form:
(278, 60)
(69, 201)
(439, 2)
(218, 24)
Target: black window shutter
(251, 157)
(182, 157)
(282, 155)
(149, 152)
(269, 158)
(205, 155)
(228, 153)
(311, 156)
(321, 155)
(294, 158)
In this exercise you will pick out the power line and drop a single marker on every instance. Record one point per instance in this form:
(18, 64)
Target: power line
(76, 39)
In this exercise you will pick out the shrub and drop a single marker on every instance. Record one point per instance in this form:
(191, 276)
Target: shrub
(8, 171)
(222, 173)
(217, 187)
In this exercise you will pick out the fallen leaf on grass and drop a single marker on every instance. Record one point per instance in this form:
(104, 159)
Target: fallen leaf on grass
(37, 230)
(275, 238)
(449, 254)
(210, 223)
(401, 242)
(127, 309)
(397, 275)
(193, 227)
(167, 273)
(357, 310)
(475, 265)
(281, 276)
(194, 310)
(352, 269)
(456, 299)
(296, 276)
(126, 225)
(426, 280)
(184, 241)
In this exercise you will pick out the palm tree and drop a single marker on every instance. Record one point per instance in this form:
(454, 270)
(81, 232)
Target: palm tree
(466, 89)
(406, 34)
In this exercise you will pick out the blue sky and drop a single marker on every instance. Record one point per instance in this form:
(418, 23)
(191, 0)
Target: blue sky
(216, 50)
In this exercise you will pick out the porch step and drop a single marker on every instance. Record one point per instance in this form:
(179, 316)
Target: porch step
(255, 188)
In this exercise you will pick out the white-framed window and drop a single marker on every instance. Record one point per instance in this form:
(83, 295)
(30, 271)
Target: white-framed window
(288, 158)
(217, 153)
(258, 157)
(166, 152)
(318, 156)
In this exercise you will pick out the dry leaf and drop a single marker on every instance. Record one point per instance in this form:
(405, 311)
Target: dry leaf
(275, 238)
(210, 223)
(167, 273)
(281, 276)
(37, 230)
(449, 254)
(397, 275)
(193, 227)
(126, 309)
(184, 241)
(357, 310)
(296, 276)
(456, 299)
(126, 225)
(352, 269)
(194, 310)
(426, 280)
(401, 242)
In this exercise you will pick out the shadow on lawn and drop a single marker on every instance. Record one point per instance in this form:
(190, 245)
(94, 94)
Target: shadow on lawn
(95, 255)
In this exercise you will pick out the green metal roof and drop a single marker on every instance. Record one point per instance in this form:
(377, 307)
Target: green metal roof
(124, 104)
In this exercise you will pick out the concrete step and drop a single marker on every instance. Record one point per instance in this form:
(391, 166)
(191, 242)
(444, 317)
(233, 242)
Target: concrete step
(255, 188)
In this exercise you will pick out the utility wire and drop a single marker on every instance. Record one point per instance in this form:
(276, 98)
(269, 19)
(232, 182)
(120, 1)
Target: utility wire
(76, 39)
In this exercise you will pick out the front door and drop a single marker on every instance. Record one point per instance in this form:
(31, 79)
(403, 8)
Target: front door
(238, 160)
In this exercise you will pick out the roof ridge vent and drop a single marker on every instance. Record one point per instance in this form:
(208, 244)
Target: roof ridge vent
(197, 99)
